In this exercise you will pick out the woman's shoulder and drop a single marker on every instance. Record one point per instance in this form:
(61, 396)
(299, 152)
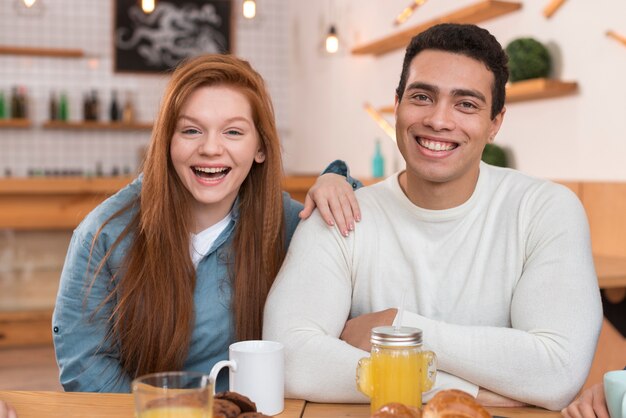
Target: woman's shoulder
(124, 198)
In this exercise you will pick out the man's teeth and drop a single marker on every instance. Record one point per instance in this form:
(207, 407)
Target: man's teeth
(211, 170)
(436, 146)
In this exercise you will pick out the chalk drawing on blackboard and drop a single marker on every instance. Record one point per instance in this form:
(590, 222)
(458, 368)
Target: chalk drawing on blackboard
(158, 41)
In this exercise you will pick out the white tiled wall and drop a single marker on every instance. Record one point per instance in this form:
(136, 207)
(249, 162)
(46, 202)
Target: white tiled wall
(87, 25)
(32, 261)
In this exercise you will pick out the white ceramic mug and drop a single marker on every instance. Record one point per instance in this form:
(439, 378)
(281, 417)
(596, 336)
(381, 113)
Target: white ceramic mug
(615, 392)
(256, 370)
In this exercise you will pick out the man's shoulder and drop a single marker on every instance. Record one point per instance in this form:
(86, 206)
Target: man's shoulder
(524, 190)
(512, 181)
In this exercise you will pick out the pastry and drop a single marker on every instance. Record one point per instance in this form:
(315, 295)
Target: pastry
(454, 404)
(225, 408)
(397, 410)
(243, 402)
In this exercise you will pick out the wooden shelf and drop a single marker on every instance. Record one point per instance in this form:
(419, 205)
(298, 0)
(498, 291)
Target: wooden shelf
(104, 126)
(41, 52)
(15, 123)
(538, 88)
(475, 13)
(62, 185)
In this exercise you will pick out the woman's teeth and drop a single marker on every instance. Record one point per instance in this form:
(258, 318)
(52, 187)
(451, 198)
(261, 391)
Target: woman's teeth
(211, 172)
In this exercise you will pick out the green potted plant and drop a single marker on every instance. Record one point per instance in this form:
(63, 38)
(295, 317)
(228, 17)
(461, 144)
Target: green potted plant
(528, 58)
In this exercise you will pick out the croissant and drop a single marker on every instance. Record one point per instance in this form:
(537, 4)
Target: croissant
(454, 404)
(445, 404)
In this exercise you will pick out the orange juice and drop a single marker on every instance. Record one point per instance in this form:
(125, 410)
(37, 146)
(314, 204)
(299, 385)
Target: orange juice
(397, 370)
(176, 412)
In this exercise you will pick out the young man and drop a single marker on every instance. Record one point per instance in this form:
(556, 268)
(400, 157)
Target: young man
(495, 266)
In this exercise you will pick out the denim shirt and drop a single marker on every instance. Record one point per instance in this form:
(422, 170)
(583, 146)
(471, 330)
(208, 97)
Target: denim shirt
(86, 362)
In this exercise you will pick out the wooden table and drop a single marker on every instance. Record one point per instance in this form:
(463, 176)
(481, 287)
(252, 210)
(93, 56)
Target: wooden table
(104, 405)
(93, 405)
(322, 410)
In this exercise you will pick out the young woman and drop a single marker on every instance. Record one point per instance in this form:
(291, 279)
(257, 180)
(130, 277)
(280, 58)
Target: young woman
(168, 272)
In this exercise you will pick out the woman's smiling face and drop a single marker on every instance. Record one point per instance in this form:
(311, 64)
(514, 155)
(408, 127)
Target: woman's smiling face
(213, 148)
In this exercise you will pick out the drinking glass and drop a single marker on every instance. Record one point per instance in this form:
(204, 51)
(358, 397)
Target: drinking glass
(173, 395)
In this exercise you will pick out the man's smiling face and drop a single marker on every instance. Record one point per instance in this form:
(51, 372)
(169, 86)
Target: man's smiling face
(443, 120)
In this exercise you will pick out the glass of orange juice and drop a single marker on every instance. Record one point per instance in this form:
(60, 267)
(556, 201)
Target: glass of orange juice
(398, 370)
(173, 395)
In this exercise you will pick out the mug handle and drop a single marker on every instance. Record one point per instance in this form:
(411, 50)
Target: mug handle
(429, 370)
(219, 366)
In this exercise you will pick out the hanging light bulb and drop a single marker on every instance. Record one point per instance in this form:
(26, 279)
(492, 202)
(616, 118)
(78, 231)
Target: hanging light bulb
(148, 6)
(29, 3)
(249, 9)
(332, 42)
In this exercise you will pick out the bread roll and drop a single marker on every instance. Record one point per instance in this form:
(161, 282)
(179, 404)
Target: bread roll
(454, 404)
(397, 410)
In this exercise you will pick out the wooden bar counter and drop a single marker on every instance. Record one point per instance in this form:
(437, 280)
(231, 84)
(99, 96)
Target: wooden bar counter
(49, 203)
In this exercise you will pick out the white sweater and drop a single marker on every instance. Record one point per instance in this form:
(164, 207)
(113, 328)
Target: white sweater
(502, 286)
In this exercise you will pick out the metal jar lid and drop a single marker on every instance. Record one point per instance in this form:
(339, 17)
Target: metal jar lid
(396, 336)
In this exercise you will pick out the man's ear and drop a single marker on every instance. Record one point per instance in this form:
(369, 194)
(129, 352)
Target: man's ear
(495, 124)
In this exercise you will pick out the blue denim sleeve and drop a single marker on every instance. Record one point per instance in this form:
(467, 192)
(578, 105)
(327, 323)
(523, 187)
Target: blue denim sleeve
(86, 362)
(340, 167)
(291, 210)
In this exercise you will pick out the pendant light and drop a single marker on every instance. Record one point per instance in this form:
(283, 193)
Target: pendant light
(29, 3)
(148, 6)
(332, 42)
(249, 9)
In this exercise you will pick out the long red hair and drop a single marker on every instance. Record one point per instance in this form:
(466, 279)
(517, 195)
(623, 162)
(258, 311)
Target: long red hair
(153, 320)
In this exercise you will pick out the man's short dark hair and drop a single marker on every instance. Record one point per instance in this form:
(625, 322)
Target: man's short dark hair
(469, 40)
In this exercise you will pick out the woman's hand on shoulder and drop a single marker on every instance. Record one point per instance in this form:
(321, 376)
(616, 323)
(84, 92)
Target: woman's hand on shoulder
(335, 199)
(6, 411)
(590, 404)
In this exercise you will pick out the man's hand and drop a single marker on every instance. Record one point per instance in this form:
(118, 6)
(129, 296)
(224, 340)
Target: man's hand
(357, 331)
(335, 200)
(6, 411)
(488, 398)
(590, 404)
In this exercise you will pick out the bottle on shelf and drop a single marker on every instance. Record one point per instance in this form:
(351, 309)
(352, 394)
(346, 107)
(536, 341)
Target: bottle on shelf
(128, 114)
(15, 104)
(63, 108)
(114, 108)
(22, 102)
(3, 111)
(53, 106)
(95, 103)
(378, 162)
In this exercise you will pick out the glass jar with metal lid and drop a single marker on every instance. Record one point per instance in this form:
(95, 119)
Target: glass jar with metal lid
(398, 370)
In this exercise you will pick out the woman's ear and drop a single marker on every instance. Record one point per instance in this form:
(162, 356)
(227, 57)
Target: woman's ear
(260, 156)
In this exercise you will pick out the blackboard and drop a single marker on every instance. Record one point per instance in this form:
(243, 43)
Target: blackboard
(175, 30)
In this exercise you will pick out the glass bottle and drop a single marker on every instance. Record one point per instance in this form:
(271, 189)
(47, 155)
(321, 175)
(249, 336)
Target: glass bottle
(114, 108)
(64, 113)
(95, 105)
(53, 107)
(128, 114)
(3, 111)
(398, 370)
(15, 104)
(378, 162)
